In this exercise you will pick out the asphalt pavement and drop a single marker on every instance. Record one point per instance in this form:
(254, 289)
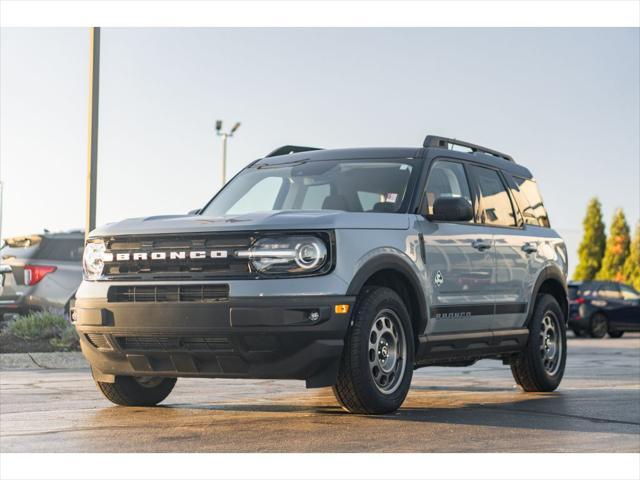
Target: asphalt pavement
(471, 409)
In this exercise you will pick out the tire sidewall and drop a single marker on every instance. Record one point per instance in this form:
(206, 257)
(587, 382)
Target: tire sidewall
(598, 316)
(374, 301)
(547, 304)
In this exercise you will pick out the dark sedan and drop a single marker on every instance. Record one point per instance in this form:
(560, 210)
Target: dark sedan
(597, 308)
(40, 272)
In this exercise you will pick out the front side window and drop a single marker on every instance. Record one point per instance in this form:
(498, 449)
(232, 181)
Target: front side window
(495, 204)
(629, 293)
(446, 180)
(347, 185)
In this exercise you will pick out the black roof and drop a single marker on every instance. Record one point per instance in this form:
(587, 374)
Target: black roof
(395, 153)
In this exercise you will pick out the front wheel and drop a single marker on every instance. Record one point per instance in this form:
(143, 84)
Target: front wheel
(137, 391)
(377, 363)
(616, 334)
(540, 366)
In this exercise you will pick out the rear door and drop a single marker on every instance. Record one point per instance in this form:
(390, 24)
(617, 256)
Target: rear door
(460, 258)
(515, 247)
(609, 301)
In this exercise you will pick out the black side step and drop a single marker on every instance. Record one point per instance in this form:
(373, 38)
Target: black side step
(454, 347)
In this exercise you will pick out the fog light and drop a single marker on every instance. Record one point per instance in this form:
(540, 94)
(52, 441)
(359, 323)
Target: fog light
(314, 316)
(341, 309)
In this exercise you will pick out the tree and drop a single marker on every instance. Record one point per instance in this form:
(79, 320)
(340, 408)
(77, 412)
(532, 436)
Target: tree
(617, 249)
(591, 248)
(631, 269)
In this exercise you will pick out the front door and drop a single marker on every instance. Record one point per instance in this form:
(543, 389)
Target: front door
(460, 259)
(630, 308)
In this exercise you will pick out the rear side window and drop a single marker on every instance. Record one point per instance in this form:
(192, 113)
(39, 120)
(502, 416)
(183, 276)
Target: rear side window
(62, 249)
(496, 208)
(530, 202)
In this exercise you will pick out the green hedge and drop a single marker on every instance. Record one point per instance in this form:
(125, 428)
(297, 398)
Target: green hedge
(45, 325)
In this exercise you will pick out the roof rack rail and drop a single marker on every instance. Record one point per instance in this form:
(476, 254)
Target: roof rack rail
(287, 149)
(442, 142)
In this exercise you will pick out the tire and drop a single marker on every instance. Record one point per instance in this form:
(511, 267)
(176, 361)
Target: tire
(540, 366)
(377, 361)
(137, 391)
(598, 326)
(616, 334)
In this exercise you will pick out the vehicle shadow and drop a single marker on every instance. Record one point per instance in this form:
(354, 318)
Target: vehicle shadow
(584, 410)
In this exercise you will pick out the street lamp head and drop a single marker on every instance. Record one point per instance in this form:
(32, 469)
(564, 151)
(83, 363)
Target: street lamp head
(218, 125)
(235, 127)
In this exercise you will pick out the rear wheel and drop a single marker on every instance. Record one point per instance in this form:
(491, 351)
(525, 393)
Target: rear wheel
(540, 366)
(377, 363)
(616, 334)
(599, 325)
(137, 391)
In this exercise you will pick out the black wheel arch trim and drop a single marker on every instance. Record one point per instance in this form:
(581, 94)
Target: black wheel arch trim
(392, 262)
(550, 272)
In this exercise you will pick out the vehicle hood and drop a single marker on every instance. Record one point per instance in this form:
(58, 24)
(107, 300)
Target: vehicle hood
(257, 221)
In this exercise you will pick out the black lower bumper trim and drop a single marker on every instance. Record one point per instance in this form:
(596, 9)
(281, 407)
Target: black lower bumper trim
(292, 337)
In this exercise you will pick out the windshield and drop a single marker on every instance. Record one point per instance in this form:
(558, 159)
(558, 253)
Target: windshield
(349, 185)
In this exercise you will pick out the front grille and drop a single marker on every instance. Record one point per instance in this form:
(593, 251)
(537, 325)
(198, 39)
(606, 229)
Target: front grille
(228, 266)
(168, 293)
(98, 340)
(168, 344)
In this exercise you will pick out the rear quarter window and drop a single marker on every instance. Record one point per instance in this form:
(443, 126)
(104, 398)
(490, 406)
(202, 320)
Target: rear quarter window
(530, 202)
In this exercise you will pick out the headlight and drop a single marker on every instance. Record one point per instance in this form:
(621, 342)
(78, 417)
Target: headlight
(294, 254)
(93, 260)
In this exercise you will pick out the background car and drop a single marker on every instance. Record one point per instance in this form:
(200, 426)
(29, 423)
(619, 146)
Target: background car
(598, 308)
(40, 272)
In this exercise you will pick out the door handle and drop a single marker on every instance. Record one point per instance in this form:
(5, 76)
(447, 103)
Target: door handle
(530, 247)
(481, 244)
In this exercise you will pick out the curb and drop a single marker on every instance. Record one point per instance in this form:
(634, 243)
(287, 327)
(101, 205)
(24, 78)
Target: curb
(55, 360)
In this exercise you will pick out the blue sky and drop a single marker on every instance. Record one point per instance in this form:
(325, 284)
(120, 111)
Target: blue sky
(564, 102)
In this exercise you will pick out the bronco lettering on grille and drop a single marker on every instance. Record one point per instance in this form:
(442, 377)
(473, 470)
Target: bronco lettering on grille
(163, 255)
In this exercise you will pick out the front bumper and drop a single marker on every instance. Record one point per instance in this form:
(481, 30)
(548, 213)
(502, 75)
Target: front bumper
(243, 337)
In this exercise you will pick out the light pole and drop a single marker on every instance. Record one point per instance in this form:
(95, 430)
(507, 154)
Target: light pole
(225, 136)
(92, 157)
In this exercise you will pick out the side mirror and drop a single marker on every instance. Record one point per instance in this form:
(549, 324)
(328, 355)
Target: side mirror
(452, 209)
(194, 212)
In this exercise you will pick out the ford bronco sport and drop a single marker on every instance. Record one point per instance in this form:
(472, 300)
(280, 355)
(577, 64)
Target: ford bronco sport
(347, 268)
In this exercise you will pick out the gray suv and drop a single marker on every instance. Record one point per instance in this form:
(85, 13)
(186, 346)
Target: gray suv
(347, 268)
(40, 272)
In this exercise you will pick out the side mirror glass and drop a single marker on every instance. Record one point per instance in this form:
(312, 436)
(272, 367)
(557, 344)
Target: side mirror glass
(194, 212)
(452, 209)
